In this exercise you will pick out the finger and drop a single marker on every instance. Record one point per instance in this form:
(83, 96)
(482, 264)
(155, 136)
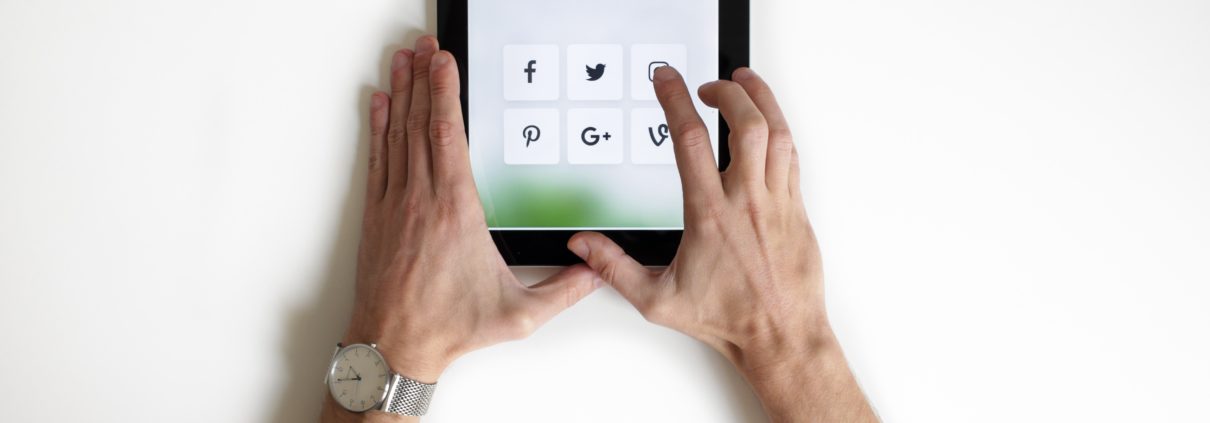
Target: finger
(795, 190)
(749, 131)
(781, 143)
(376, 173)
(700, 179)
(559, 292)
(447, 133)
(614, 266)
(397, 140)
(419, 162)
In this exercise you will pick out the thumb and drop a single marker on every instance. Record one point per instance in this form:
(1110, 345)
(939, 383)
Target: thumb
(560, 291)
(618, 269)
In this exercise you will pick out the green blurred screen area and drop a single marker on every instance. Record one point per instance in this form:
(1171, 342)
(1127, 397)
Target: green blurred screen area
(549, 203)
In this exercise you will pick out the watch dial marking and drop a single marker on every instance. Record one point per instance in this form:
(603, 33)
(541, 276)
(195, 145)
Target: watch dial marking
(349, 381)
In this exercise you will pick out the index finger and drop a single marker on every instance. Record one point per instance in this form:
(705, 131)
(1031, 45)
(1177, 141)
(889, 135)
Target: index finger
(700, 178)
(447, 133)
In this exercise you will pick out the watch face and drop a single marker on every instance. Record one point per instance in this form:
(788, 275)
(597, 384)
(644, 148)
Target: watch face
(358, 377)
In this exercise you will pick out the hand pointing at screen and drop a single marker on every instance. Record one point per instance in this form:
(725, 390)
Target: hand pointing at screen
(747, 278)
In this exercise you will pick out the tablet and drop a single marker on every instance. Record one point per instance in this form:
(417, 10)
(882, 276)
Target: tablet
(565, 131)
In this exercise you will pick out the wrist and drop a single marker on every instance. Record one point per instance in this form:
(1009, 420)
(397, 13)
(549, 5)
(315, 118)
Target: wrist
(334, 413)
(407, 357)
(780, 353)
(792, 376)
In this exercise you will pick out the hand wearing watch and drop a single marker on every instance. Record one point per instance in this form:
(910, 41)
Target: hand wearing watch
(430, 284)
(360, 379)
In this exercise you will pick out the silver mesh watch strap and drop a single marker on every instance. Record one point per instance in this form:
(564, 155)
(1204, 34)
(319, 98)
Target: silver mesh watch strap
(408, 397)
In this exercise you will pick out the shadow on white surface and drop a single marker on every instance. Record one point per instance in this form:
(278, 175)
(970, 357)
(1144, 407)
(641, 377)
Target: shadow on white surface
(315, 330)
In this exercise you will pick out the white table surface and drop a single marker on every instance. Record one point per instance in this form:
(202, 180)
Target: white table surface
(1012, 199)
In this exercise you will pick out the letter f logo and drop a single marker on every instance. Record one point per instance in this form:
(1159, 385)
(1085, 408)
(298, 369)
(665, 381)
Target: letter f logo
(529, 71)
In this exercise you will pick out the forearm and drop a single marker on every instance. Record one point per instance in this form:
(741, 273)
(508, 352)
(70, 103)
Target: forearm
(809, 384)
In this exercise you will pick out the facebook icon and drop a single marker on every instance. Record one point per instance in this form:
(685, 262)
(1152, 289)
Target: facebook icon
(529, 71)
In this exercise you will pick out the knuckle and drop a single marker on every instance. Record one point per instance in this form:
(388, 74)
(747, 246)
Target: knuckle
(420, 72)
(418, 121)
(675, 94)
(441, 87)
(781, 134)
(609, 263)
(692, 134)
(794, 170)
(401, 86)
(755, 208)
(375, 162)
(752, 128)
(781, 146)
(412, 204)
(442, 132)
(376, 128)
(609, 268)
(396, 135)
(572, 294)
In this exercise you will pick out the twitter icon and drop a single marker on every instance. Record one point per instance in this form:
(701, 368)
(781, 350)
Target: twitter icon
(595, 73)
(600, 69)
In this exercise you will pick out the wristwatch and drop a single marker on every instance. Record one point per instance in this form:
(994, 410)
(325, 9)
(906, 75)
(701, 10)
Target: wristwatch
(360, 380)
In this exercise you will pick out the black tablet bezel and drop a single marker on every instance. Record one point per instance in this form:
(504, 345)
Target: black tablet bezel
(549, 247)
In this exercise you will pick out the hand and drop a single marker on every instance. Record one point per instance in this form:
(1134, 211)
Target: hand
(431, 285)
(747, 278)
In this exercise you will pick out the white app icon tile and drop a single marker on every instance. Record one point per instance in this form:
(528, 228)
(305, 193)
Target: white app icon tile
(531, 136)
(594, 136)
(531, 72)
(650, 140)
(594, 72)
(645, 58)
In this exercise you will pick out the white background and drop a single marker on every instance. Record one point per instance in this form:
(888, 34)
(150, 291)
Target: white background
(1012, 199)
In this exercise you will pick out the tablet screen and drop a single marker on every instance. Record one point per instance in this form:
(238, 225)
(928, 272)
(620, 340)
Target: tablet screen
(565, 130)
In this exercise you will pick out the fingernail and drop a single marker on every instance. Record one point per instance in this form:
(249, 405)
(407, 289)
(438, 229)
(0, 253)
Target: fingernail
(742, 74)
(665, 73)
(426, 44)
(440, 59)
(401, 60)
(580, 248)
(377, 101)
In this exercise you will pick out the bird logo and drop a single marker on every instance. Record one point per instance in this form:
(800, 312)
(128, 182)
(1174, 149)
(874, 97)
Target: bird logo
(595, 73)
